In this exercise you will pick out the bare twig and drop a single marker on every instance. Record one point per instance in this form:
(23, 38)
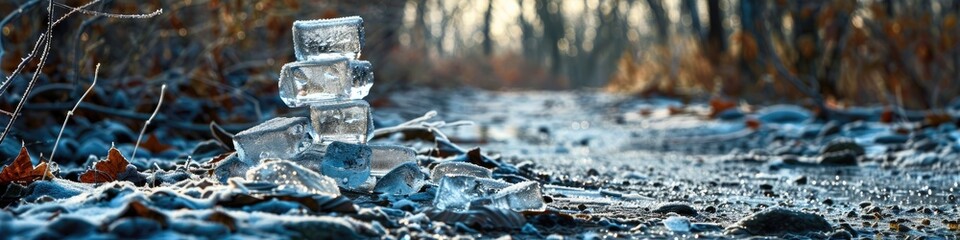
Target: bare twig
(33, 81)
(163, 89)
(70, 113)
(46, 38)
(106, 14)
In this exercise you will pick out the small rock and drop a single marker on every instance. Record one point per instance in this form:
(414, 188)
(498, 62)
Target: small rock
(800, 180)
(134, 227)
(676, 207)
(891, 139)
(705, 227)
(71, 226)
(777, 221)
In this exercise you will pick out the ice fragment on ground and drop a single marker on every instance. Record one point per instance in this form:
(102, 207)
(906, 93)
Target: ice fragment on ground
(346, 122)
(459, 168)
(289, 176)
(457, 191)
(677, 224)
(783, 114)
(404, 179)
(231, 166)
(524, 196)
(347, 163)
(324, 79)
(386, 157)
(276, 138)
(339, 35)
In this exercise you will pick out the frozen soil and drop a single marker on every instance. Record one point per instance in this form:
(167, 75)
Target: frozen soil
(631, 156)
(610, 166)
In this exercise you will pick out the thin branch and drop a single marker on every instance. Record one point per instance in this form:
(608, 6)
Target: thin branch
(70, 113)
(163, 89)
(111, 15)
(33, 81)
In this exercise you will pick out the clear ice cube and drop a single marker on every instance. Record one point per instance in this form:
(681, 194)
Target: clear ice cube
(404, 179)
(280, 138)
(524, 196)
(324, 79)
(312, 157)
(345, 122)
(338, 35)
(455, 192)
(289, 176)
(347, 163)
(387, 157)
(459, 168)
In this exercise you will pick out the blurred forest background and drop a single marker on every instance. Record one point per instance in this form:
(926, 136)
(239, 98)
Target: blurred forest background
(221, 58)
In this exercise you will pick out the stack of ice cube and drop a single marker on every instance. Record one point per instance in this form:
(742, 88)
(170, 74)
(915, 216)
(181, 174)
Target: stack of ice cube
(329, 79)
(330, 82)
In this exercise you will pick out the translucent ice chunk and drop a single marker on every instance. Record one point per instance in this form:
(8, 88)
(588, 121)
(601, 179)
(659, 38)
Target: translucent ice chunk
(347, 163)
(324, 79)
(524, 196)
(339, 35)
(404, 179)
(312, 157)
(289, 176)
(677, 224)
(387, 157)
(346, 122)
(457, 191)
(459, 168)
(276, 138)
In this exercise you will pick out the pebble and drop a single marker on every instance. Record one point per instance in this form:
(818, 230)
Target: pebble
(676, 207)
(777, 221)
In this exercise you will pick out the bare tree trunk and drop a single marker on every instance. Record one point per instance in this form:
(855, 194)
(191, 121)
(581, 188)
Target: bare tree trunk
(690, 8)
(805, 38)
(553, 30)
(487, 18)
(716, 38)
(662, 23)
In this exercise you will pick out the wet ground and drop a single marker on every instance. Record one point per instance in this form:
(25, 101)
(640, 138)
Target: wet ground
(630, 156)
(610, 166)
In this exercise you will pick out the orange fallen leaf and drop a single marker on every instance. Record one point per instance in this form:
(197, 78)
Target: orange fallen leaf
(718, 105)
(21, 170)
(886, 116)
(753, 123)
(106, 170)
(676, 110)
(936, 119)
(155, 146)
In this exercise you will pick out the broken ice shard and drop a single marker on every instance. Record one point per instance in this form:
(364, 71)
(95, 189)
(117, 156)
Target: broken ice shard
(276, 138)
(524, 196)
(347, 163)
(404, 179)
(387, 157)
(324, 79)
(459, 168)
(289, 176)
(345, 121)
(457, 191)
(338, 35)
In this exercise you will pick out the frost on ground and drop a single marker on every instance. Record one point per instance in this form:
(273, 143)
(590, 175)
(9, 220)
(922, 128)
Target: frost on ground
(535, 165)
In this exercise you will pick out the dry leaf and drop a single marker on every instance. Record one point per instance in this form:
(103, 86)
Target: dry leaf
(223, 218)
(154, 145)
(753, 123)
(106, 170)
(718, 105)
(21, 170)
(138, 209)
